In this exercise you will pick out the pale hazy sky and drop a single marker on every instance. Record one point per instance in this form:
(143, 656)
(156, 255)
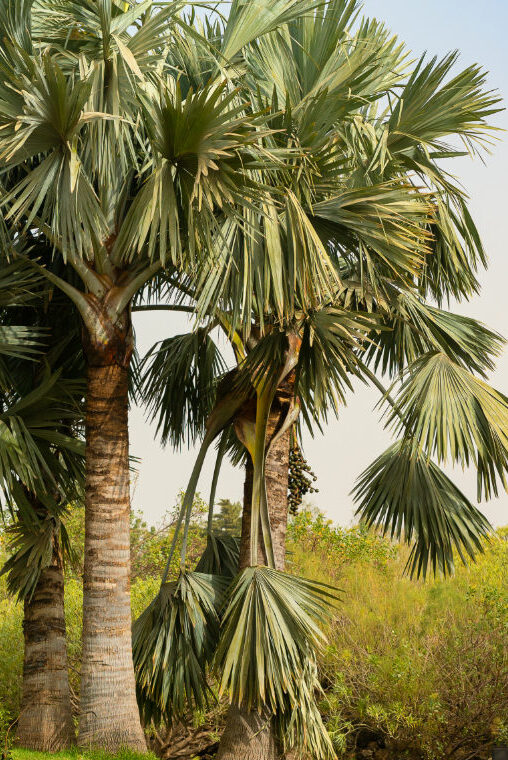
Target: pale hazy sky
(350, 443)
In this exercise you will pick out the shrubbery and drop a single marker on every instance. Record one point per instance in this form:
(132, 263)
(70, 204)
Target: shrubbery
(413, 669)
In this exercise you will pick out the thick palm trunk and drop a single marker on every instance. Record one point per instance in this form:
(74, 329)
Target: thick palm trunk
(109, 712)
(248, 735)
(45, 722)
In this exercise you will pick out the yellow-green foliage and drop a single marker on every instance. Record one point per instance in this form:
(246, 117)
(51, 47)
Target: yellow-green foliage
(11, 652)
(421, 667)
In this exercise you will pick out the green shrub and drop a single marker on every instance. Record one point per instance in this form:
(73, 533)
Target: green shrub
(420, 668)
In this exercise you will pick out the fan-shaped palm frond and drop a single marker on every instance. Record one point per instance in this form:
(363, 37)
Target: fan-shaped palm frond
(32, 428)
(415, 328)
(202, 145)
(410, 497)
(434, 105)
(42, 113)
(179, 378)
(327, 361)
(300, 726)
(31, 537)
(173, 641)
(221, 555)
(269, 624)
(322, 71)
(455, 416)
(247, 21)
(15, 22)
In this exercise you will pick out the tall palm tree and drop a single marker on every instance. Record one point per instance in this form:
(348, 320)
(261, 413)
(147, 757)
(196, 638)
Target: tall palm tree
(332, 278)
(108, 160)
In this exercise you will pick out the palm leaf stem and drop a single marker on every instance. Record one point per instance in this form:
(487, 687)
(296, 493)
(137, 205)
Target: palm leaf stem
(215, 479)
(259, 509)
(379, 385)
(164, 307)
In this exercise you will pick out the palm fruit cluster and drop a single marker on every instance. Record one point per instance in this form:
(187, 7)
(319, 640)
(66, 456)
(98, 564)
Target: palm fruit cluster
(300, 479)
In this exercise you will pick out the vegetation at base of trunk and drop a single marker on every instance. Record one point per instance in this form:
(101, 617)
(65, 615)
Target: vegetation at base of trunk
(401, 658)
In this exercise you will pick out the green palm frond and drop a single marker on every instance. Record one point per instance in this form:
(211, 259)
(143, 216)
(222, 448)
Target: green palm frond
(327, 361)
(179, 379)
(32, 537)
(456, 416)
(457, 252)
(42, 113)
(270, 623)
(20, 342)
(20, 284)
(250, 19)
(221, 555)
(31, 548)
(173, 640)
(415, 328)
(33, 427)
(434, 105)
(323, 71)
(201, 144)
(384, 224)
(15, 22)
(408, 496)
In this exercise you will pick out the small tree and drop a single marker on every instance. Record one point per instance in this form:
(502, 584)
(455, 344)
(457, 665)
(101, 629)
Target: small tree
(41, 402)
(229, 517)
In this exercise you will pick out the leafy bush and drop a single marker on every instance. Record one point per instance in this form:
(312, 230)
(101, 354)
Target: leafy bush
(413, 669)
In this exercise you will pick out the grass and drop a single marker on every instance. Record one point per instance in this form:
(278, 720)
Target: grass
(78, 754)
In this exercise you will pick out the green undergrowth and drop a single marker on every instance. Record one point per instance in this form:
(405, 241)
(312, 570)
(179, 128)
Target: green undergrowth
(78, 754)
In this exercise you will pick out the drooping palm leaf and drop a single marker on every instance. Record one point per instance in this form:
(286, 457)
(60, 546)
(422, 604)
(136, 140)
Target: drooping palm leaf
(410, 497)
(416, 328)
(300, 726)
(456, 416)
(221, 555)
(37, 424)
(179, 377)
(173, 641)
(38, 526)
(433, 106)
(269, 624)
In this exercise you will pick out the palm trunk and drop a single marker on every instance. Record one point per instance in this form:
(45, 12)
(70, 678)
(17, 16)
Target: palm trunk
(45, 722)
(109, 712)
(248, 735)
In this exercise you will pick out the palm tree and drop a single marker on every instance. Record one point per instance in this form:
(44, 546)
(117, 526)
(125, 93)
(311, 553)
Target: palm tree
(36, 574)
(107, 159)
(330, 280)
(42, 404)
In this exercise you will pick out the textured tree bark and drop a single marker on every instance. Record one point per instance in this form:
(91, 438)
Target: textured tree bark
(45, 722)
(109, 716)
(248, 735)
